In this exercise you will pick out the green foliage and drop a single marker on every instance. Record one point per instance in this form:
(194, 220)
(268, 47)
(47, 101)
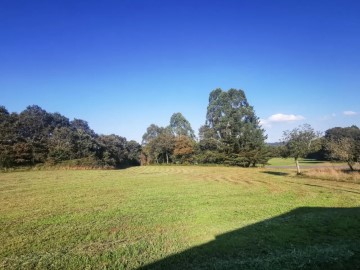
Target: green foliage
(343, 144)
(36, 137)
(169, 144)
(210, 157)
(160, 148)
(113, 149)
(133, 153)
(180, 126)
(151, 133)
(232, 128)
(298, 143)
(208, 140)
(231, 135)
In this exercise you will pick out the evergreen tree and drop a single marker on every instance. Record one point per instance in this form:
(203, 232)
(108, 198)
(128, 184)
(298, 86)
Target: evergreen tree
(234, 128)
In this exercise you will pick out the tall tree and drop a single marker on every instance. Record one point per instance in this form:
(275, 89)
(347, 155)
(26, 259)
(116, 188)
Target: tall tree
(298, 143)
(158, 144)
(164, 145)
(151, 133)
(134, 151)
(180, 126)
(234, 124)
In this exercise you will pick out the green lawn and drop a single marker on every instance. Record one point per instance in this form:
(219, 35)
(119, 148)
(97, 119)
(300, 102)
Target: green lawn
(174, 217)
(303, 162)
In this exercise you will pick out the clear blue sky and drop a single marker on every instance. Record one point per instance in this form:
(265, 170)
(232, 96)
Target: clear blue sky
(122, 65)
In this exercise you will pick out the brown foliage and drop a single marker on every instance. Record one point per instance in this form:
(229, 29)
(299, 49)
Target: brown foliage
(183, 146)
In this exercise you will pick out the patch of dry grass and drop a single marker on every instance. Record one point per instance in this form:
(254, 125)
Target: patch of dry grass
(334, 174)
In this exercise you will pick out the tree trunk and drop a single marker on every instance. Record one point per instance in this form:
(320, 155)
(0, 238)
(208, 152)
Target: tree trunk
(167, 158)
(297, 166)
(350, 165)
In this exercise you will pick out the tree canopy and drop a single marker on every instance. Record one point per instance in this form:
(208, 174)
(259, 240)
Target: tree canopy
(298, 142)
(180, 126)
(166, 144)
(232, 130)
(36, 136)
(231, 135)
(343, 144)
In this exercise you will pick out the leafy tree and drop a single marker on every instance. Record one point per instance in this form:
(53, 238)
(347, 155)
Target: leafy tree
(227, 112)
(164, 146)
(62, 144)
(134, 151)
(23, 153)
(343, 144)
(34, 128)
(82, 127)
(36, 136)
(152, 132)
(159, 143)
(342, 149)
(114, 151)
(86, 139)
(184, 149)
(150, 151)
(7, 136)
(180, 126)
(209, 140)
(233, 128)
(57, 120)
(298, 143)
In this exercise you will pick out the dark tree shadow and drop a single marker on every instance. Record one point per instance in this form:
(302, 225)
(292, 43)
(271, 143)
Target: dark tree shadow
(305, 238)
(348, 171)
(276, 173)
(311, 161)
(332, 188)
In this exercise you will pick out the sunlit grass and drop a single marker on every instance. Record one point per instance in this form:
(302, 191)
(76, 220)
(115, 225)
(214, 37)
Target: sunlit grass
(128, 218)
(303, 162)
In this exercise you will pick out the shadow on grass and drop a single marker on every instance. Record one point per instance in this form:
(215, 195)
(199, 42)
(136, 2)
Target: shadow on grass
(311, 161)
(304, 238)
(348, 171)
(276, 173)
(332, 188)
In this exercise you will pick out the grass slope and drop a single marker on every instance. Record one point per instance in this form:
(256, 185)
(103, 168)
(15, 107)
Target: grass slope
(177, 218)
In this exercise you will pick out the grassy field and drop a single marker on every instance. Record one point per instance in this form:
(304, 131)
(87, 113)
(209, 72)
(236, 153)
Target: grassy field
(175, 217)
(303, 162)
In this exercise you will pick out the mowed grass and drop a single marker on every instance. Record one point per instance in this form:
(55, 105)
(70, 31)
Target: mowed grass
(174, 217)
(302, 161)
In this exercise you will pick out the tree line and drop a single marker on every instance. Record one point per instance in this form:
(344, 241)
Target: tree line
(232, 135)
(338, 144)
(35, 136)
